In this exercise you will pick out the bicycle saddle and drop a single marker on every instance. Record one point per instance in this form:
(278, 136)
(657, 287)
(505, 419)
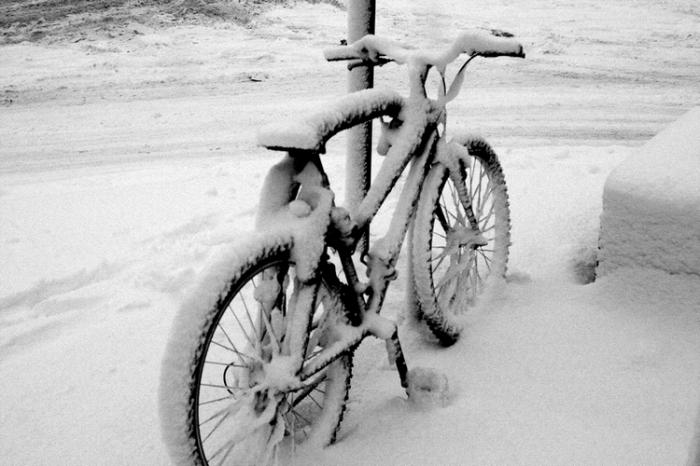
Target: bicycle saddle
(312, 132)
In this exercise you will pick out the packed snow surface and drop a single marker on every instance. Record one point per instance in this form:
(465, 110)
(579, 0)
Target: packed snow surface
(651, 203)
(129, 164)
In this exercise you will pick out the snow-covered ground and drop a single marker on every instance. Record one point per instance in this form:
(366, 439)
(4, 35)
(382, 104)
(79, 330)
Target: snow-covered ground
(127, 164)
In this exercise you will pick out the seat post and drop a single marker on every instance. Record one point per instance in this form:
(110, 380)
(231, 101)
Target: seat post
(358, 163)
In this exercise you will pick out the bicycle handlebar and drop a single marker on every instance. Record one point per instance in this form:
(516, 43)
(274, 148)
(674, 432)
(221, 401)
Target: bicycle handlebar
(377, 50)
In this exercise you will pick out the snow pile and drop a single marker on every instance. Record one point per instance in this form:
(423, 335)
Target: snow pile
(651, 204)
(427, 388)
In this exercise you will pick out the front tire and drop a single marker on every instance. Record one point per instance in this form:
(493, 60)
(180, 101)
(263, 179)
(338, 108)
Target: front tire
(450, 271)
(215, 406)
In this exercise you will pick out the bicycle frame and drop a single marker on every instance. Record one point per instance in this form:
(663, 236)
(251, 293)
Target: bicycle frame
(299, 184)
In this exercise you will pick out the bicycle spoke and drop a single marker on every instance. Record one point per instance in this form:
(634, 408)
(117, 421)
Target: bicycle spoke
(299, 416)
(225, 387)
(222, 412)
(208, 402)
(276, 341)
(442, 219)
(461, 216)
(455, 199)
(487, 194)
(227, 364)
(452, 190)
(480, 277)
(472, 165)
(231, 342)
(439, 247)
(474, 287)
(228, 452)
(488, 215)
(483, 189)
(252, 343)
(449, 213)
(441, 259)
(461, 289)
(476, 270)
(233, 350)
(252, 324)
(306, 392)
(315, 402)
(477, 194)
(487, 260)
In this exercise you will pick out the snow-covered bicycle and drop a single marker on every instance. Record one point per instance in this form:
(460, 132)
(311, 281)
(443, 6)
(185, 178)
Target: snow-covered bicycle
(260, 357)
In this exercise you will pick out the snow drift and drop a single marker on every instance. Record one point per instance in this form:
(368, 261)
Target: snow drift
(651, 204)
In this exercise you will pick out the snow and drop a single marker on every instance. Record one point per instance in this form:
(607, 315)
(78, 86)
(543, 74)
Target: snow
(427, 388)
(311, 132)
(651, 203)
(592, 375)
(129, 166)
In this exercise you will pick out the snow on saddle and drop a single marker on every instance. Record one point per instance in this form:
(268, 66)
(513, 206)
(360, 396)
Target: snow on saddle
(311, 133)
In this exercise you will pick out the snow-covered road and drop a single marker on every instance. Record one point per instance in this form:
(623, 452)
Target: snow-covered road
(127, 164)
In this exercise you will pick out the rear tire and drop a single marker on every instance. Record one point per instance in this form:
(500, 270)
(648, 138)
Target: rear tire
(449, 275)
(214, 406)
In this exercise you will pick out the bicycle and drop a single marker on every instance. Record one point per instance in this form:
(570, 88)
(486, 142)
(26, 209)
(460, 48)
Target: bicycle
(260, 358)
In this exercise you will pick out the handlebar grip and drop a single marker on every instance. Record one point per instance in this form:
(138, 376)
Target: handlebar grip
(339, 53)
(489, 45)
(517, 51)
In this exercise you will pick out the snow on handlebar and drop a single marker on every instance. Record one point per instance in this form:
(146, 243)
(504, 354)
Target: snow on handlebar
(378, 50)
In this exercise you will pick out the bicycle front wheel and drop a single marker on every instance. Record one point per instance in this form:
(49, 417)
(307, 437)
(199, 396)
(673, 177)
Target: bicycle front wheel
(452, 267)
(217, 407)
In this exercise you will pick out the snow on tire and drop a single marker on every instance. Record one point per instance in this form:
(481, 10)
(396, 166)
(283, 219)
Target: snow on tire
(214, 407)
(450, 272)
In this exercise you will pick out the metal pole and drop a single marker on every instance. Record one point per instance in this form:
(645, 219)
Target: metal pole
(358, 163)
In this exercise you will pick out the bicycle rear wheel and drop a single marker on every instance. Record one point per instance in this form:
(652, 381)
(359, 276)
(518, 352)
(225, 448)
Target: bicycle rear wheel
(215, 405)
(452, 267)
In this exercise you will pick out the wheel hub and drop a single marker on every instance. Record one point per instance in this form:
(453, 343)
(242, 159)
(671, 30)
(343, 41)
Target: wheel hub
(464, 237)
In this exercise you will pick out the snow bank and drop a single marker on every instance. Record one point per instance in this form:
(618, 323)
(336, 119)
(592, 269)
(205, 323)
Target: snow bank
(651, 204)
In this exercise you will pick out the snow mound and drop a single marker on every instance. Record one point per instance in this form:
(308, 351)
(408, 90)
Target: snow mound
(427, 388)
(651, 204)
